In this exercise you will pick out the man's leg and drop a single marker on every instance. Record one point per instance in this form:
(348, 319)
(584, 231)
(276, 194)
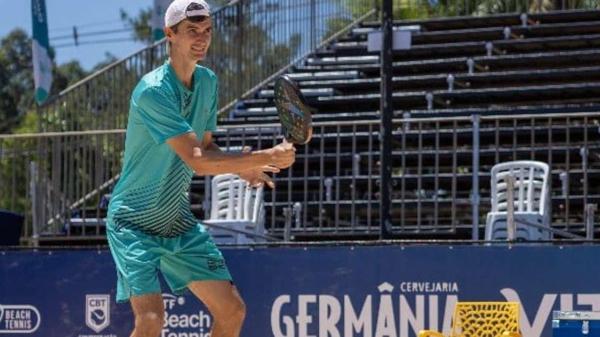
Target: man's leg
(149, 314)
(225, 305)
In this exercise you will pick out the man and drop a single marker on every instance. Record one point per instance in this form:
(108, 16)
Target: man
(169, 137)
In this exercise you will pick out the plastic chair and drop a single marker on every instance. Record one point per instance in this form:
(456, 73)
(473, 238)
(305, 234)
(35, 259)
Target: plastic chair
(482, 319)
(237, 205)
(532, 202)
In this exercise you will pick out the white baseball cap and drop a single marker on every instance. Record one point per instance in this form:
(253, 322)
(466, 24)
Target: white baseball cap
(180, 10)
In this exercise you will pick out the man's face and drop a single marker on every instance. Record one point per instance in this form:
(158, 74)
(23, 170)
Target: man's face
(192, 38)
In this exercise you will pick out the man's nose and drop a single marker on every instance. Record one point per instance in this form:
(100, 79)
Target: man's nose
(203, 40)
(205, 36)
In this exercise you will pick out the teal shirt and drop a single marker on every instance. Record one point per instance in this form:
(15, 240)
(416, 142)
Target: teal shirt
(152, 192)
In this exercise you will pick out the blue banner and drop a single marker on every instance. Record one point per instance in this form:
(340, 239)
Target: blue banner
(370, 291)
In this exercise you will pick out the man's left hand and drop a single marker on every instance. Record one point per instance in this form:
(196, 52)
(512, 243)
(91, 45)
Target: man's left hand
(258, 177)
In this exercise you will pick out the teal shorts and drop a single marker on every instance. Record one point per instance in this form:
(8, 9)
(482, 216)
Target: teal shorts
(192, 256)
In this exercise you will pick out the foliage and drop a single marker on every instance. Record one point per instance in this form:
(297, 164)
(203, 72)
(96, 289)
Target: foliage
(422, 9)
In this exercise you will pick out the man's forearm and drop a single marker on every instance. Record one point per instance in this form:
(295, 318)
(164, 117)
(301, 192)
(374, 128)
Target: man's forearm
(212, 160)
(213, 147)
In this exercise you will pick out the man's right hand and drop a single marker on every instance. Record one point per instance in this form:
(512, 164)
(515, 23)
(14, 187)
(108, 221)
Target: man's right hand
(282, 155)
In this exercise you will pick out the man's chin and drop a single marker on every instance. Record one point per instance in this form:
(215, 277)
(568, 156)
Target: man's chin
(199, 56)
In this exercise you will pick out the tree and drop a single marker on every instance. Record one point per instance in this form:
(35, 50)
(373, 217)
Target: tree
(422, 9)
(108, 60)
(242, 52)
(65, 75)
(533, 6)
(403, 9)
(142, 31)
(16, 80)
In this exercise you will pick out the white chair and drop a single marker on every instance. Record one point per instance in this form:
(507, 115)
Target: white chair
(532, 200)
(235, 205)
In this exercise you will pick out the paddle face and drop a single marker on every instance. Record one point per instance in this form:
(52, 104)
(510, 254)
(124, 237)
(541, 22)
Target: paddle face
(294, 113)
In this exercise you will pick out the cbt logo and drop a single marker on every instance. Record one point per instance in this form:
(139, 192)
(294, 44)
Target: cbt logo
(97, 312)
(21, 318)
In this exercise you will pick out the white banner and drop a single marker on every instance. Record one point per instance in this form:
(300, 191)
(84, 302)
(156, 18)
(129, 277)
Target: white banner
(42, 65)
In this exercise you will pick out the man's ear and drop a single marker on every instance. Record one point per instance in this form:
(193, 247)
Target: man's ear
(168, 32)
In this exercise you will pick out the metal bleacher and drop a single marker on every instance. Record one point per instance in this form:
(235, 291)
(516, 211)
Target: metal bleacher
(534, 81)
(470, 93)
(551, 60)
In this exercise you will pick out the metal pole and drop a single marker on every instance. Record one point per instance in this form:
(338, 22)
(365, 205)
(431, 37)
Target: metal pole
(590, 209)
(562, 233)
(313, 24)
(287, 229)
(33, 190)
(475, 177)
(511, 229)
(584, 166)
(386, 109)
(240, 50)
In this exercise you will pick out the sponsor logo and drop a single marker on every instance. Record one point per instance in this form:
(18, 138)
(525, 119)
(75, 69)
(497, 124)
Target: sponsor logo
(20, 318)
(184, 323)
(97, 312)
(194, 6)
(403, 310)
(214, 264)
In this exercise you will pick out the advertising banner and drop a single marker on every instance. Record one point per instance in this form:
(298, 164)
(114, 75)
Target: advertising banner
(342, 291)
(42, 64)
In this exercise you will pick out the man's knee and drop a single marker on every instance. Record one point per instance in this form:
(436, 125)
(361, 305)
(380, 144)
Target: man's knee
(150, 321)
(240, 309)
(233, 311)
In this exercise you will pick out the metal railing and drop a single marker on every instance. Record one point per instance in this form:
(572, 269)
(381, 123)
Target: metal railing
(333, 188)
(252, 40)
(436, 186)
(441, 172)
(53, 178)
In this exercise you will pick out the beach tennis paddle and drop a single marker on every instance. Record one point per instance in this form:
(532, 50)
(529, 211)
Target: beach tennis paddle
(294, 114)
